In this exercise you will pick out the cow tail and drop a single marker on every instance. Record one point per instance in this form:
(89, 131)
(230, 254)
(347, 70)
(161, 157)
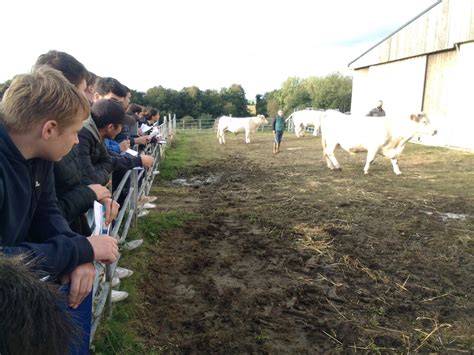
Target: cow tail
(289, 118)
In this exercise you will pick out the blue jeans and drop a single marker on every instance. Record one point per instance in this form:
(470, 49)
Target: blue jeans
(82, 318)
(278, 136)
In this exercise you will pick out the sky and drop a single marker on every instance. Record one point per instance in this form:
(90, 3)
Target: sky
(210, 44)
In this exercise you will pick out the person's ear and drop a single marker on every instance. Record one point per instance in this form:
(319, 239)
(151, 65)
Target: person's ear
(49, 129)
(110, 127)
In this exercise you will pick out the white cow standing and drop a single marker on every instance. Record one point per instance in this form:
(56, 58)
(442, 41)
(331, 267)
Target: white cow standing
(384, 135)
(304, 118)
(239, 124)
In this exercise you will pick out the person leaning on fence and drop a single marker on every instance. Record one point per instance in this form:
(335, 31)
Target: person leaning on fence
(378, 111)
(278, 126)
(40, 116)
(75, 198)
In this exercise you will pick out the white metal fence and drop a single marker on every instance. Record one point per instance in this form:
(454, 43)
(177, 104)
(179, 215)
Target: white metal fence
(140, 182)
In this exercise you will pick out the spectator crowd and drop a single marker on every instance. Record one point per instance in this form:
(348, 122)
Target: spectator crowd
(67, 139)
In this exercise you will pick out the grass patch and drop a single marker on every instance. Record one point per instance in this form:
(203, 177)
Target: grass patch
(118, 335)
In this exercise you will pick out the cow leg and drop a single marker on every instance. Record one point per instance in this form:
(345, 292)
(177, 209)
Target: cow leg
(247, 136)
(297, 131)
(222, 138)
(370, 158)
(396, 169)
(331, 159)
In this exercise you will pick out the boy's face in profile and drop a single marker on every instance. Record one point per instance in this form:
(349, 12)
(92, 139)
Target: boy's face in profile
(61, 141)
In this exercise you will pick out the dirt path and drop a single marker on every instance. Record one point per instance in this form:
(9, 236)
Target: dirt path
(287, 257)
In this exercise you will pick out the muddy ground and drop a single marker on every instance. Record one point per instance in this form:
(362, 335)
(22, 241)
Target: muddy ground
(285, 256)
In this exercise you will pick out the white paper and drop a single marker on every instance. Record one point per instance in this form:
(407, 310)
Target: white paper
(131, 152)
(154, 132)
(145, 128)
(99, 219)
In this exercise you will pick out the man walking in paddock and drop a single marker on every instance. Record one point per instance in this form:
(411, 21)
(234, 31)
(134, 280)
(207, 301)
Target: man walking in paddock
(278, 126)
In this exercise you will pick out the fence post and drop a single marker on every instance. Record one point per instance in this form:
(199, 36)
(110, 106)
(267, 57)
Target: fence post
(134, 200)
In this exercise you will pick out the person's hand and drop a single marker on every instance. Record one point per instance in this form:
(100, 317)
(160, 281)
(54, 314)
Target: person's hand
(82, 281)
(124, 145)
(111, 209)
(100, 191)
(105, 248)
(142, 140)
(147, 161)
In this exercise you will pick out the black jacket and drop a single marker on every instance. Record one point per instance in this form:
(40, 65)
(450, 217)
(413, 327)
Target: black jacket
(97, 163)
(30, 220)
(74, 197)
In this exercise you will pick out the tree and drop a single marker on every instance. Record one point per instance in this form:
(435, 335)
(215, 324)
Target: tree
(234, 100)
(261, 105)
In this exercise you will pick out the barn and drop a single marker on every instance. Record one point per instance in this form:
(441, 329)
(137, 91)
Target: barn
(425, 65)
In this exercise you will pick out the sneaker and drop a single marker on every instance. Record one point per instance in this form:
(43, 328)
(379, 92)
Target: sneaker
(115, 282)
(145, 199)
(156, 172)
(121, 272)
(133, 244)
(142, 213)
(149, 205)
(118, 295)
(162, 141)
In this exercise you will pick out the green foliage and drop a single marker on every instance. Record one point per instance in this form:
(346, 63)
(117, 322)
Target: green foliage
(333, 91)
(261, 105)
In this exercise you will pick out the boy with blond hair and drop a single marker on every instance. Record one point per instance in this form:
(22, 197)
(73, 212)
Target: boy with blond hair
(40, 116)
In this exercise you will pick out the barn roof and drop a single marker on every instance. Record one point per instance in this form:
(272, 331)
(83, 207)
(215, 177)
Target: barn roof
(441, 26)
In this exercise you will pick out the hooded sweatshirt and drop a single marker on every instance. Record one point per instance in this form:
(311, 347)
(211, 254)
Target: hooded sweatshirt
(30, 220)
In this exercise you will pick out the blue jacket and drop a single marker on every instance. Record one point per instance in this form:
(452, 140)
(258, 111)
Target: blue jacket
(30, 220)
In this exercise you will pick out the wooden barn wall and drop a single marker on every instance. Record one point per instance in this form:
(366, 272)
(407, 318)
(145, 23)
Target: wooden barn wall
(446, 24)
(459, 115)
(440, 71)
(360, 90)
(399, 84)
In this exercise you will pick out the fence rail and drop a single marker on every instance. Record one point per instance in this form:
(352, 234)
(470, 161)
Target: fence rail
(126, 218)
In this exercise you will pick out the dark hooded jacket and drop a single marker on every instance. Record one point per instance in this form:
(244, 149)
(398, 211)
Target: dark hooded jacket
(74, 197)
(97, 163)
(30, 220)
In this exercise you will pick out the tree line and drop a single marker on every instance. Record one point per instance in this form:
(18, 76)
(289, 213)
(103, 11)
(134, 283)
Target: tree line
(333, 91)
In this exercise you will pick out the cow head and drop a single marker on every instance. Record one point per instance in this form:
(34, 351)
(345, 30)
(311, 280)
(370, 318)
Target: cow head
(423, 124)
(262, 119)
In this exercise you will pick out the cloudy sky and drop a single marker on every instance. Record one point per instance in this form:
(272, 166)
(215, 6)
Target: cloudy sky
(207, 43)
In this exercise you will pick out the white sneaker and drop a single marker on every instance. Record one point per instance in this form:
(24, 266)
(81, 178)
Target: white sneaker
(133, 244)
(143, 213)
(115, 282)
(121, 272)
(156, 172)
(149, 205)
(145, 199)
(118, 295)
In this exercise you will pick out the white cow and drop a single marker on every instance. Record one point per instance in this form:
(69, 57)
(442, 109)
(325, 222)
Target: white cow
(304, 118)
(239, 124)
(384, 135)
